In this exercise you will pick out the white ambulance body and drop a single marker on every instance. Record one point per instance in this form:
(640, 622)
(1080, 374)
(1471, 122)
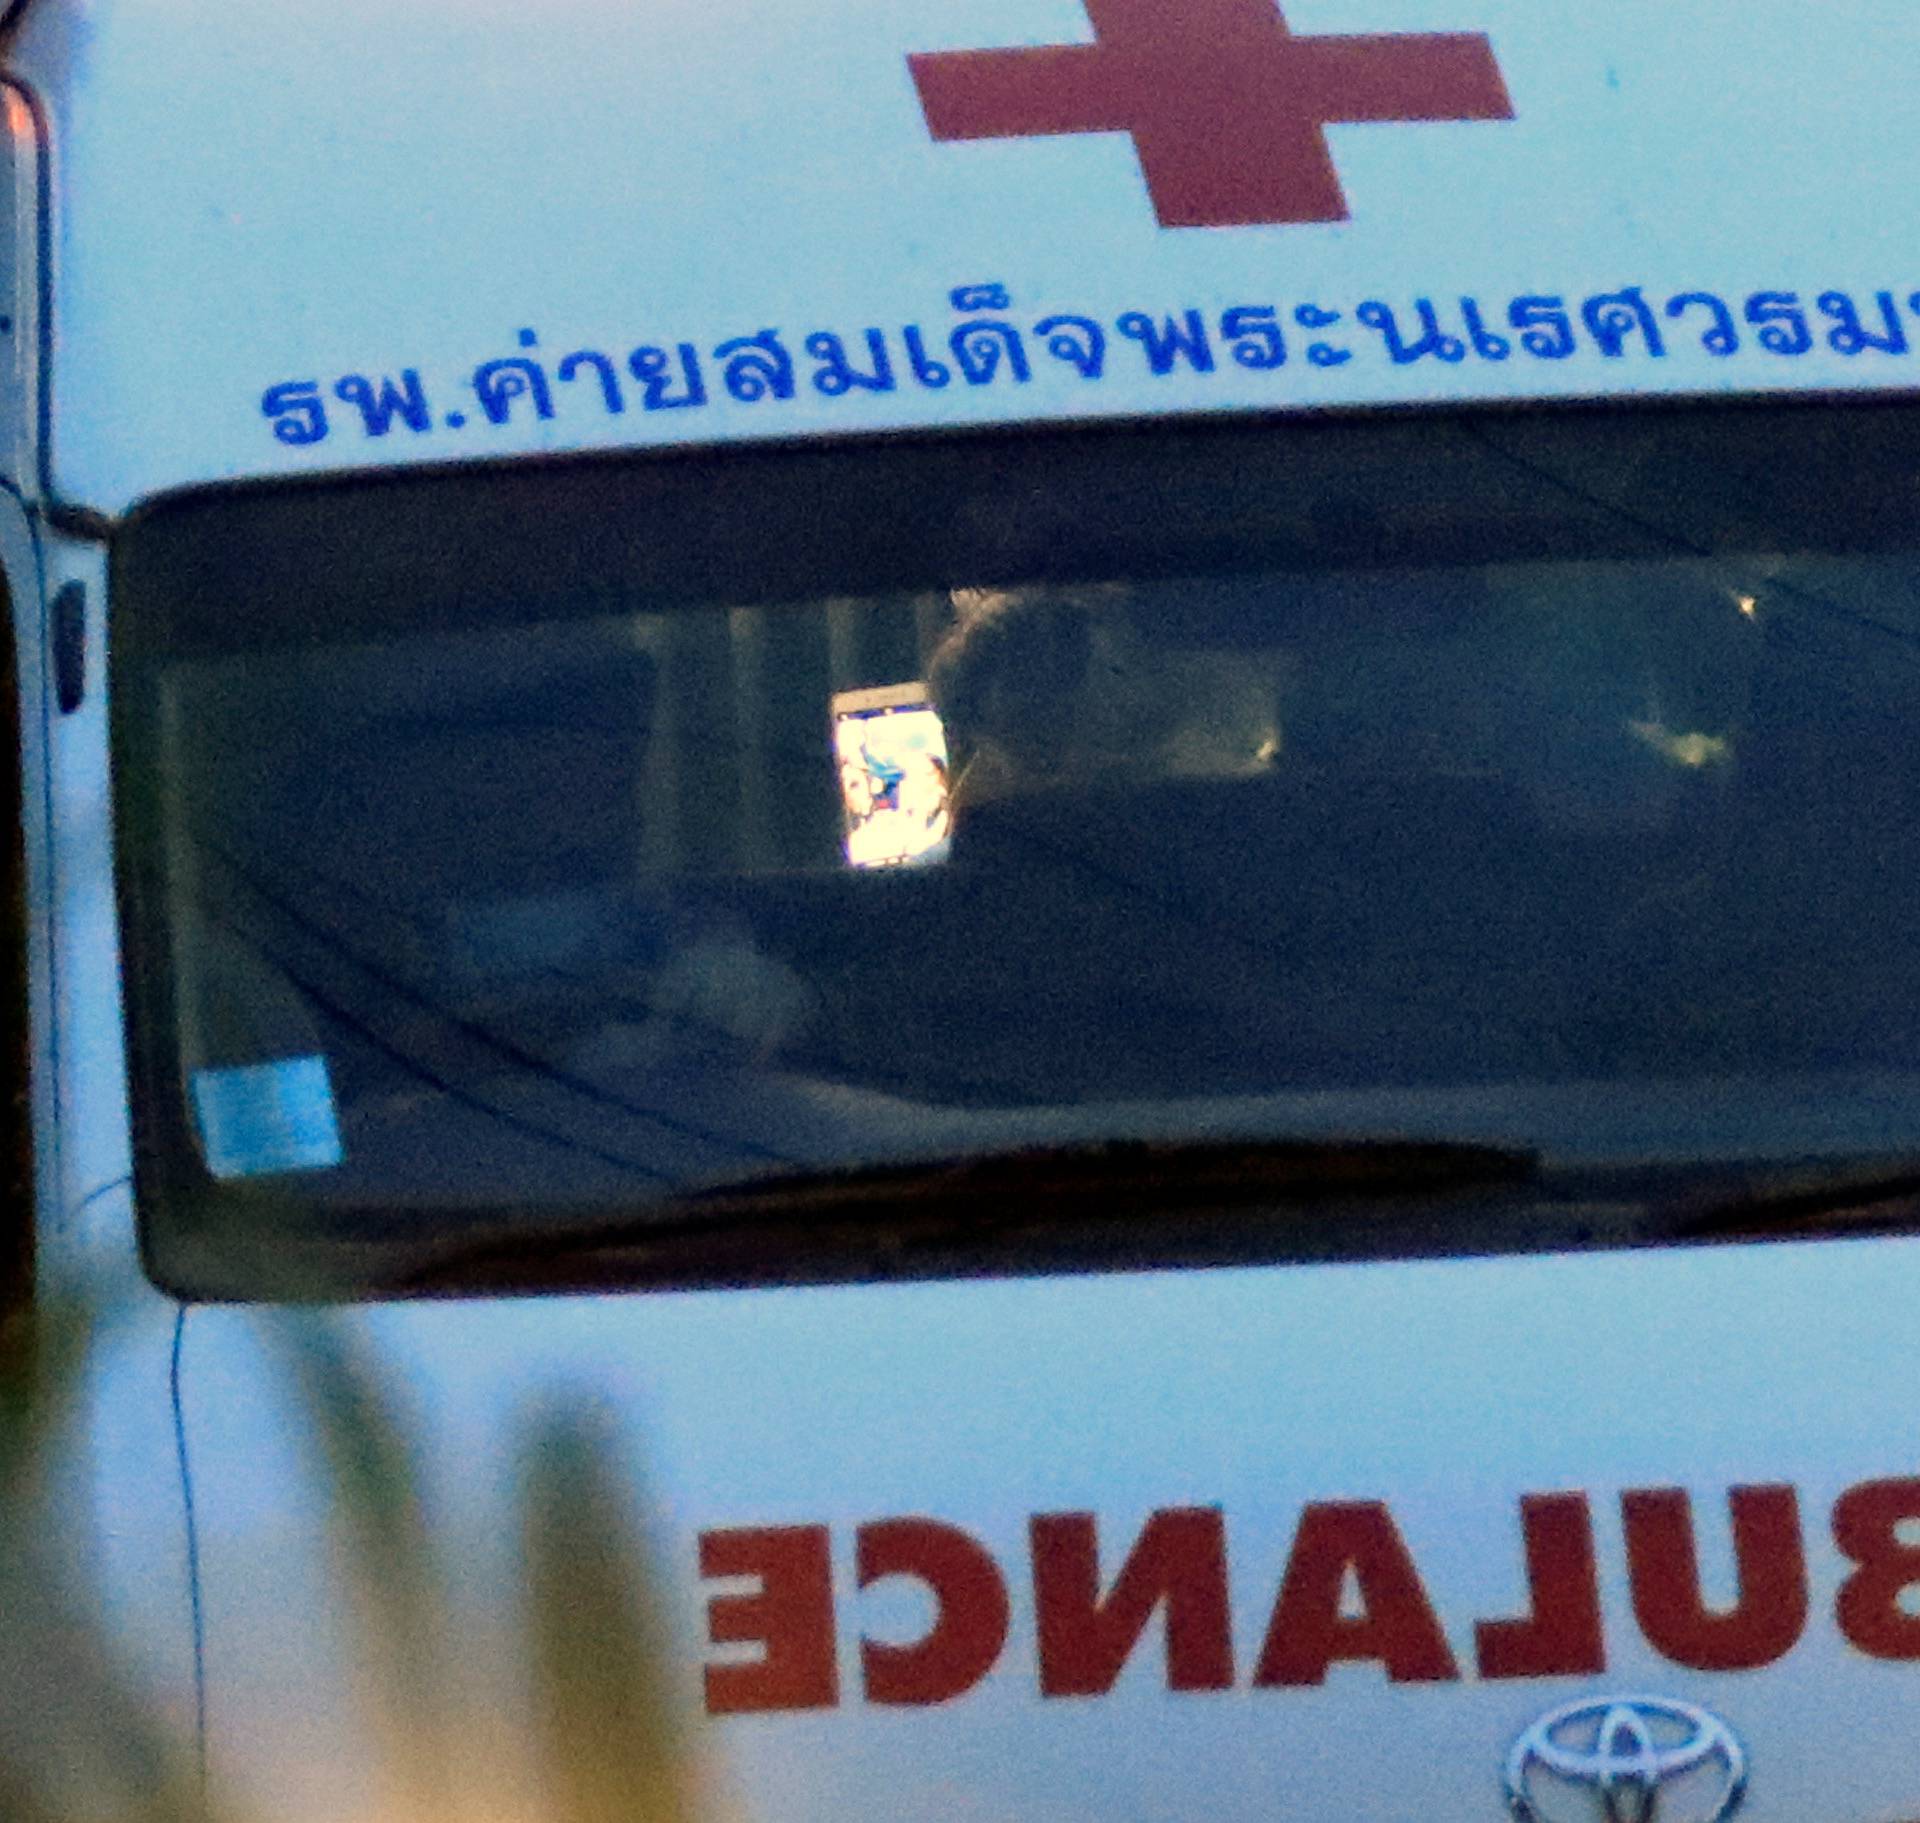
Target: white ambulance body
(1341, 1247)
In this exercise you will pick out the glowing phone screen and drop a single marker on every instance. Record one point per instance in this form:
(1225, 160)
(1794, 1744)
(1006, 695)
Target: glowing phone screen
(892, 756)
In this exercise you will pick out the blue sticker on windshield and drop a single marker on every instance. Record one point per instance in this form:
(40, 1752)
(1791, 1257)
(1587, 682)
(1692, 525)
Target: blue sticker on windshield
(267, 1117)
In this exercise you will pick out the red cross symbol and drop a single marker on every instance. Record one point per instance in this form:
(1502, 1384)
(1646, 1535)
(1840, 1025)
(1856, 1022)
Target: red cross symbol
(1227, 108)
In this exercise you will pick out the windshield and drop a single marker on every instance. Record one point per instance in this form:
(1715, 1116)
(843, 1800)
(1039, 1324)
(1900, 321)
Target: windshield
(504, 847)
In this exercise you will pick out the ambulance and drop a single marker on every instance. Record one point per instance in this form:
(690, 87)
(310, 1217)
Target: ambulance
(1113, 803)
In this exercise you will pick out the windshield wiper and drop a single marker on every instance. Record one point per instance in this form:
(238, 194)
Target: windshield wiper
(836, 1223)
(1819, 1198)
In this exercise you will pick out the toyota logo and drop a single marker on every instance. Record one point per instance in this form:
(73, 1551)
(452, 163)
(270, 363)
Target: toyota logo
(1626, 1759)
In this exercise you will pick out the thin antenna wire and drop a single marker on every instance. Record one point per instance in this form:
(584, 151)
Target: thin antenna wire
(193, 1558)
(99, 1190)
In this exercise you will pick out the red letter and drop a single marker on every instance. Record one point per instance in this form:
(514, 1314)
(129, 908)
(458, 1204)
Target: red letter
(1560, 1635)
(790, 1616)
(1869, 1609)
(970, 1610)
(1770, 1607)
(1308, 1633)
(1180, 1558)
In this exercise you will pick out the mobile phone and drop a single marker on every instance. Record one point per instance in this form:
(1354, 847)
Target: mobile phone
(890, 752)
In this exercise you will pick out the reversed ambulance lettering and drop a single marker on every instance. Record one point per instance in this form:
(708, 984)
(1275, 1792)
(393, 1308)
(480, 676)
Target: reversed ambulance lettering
(1090, 1616)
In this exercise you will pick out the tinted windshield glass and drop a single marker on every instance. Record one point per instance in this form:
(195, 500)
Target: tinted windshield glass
(504, 846)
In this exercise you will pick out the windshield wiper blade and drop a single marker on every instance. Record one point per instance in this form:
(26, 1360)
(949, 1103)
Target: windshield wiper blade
(768, 1228)
(1858, 1196)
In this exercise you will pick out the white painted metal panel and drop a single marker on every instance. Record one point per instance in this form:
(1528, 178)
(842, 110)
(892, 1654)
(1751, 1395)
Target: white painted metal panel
(329, 197)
